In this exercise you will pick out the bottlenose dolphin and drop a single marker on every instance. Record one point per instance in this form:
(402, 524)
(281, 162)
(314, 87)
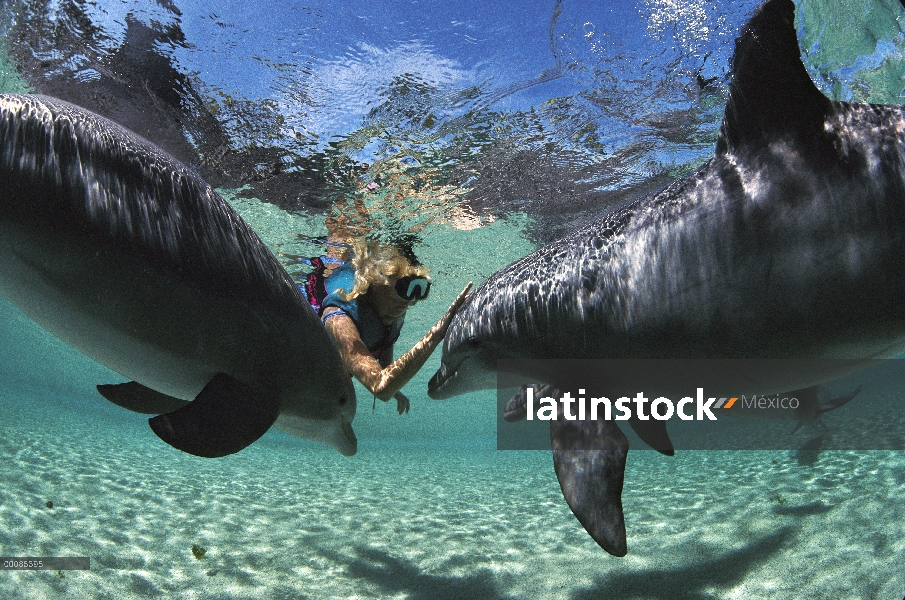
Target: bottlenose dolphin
(126, 254)
(788, 243)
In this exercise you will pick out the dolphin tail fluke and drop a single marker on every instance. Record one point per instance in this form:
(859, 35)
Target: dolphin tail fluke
(589, 458)
(653, 433)
(138, 398)
(224, 418)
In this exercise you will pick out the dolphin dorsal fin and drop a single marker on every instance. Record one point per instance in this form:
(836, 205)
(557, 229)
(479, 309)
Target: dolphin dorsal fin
(771, 95)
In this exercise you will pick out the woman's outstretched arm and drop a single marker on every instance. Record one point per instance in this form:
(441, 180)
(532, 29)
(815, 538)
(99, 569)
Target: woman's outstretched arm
(384, 382)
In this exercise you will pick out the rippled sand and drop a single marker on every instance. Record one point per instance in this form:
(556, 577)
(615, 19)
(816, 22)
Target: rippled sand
(283, 519)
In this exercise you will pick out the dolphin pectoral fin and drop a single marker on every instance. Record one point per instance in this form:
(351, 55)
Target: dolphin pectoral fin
(653, 433)
(808, 406)
(517, 407)
(839, 401)
(810, 409)
(224, 418)
(138, 398)
(589, 458)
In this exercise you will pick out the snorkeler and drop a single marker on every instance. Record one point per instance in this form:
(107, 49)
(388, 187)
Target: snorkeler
(364, 310)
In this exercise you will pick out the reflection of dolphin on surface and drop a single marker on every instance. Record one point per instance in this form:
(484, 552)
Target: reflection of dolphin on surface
(124, 253)
(788, 243)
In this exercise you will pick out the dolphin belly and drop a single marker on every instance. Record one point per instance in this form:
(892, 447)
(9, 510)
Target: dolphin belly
(127, 255)
(107, 305)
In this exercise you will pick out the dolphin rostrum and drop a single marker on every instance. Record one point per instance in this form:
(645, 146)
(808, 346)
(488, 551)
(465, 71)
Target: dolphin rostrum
(126, 254)
(788, 243)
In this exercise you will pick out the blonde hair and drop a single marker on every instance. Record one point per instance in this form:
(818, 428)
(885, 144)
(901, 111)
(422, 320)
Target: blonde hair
(375, 264)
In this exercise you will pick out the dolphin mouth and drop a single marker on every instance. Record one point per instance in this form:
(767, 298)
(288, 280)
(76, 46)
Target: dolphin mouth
(348, 445)
(336, 432)
(441, 378)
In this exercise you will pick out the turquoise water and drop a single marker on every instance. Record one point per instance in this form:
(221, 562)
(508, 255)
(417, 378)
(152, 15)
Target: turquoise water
(427, 508)
(508, 133)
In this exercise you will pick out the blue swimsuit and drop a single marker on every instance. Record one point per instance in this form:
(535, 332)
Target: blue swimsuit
(376, 335)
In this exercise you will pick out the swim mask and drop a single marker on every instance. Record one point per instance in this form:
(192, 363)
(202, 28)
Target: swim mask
(413, 287)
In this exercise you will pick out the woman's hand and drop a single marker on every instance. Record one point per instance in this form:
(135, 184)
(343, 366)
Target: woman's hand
(439, 330)
(402, 402)
(382, 381)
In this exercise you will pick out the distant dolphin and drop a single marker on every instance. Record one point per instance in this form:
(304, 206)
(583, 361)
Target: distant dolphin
(124, 253)
(788, 243)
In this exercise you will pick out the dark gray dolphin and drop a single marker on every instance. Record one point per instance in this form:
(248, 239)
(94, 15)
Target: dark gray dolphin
(788, 243)
(126, 254)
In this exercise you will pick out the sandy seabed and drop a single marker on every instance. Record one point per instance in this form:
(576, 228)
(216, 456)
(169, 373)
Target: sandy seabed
(283, 519)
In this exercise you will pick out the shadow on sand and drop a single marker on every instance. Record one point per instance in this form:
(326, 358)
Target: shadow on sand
(690, 581)
(395, 575)
(704, 580)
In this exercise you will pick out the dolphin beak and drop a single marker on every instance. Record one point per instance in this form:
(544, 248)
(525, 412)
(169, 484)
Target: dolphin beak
(336, 432)
(439, 380)
(344, 439)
